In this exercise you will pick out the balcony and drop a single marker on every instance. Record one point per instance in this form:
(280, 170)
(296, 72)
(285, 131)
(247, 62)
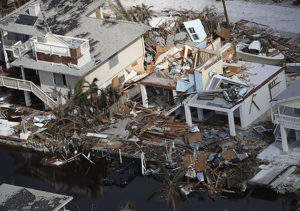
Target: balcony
(18, 48)
(73, 52)
(60, 45)
(288, 117)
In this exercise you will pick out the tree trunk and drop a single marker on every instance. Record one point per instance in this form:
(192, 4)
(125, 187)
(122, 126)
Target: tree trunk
(173, 204)
(226, 15)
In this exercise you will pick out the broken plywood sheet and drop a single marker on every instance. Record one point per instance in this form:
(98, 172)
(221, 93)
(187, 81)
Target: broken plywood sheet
(201, 162)
(229, 154)
(188, 160)
(160, 50)
(195, 137)
(224, 33)
(173, 52)
(150, 68)
(154, 81)
(235, 68)
(115, 82)
(137, 66)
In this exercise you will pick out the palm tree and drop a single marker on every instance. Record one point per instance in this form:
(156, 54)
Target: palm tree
(171, 189)
(92, 92)
(143, 13)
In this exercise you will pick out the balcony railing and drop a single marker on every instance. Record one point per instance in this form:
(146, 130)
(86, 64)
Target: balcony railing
(17, 47)
(8, 44)
(287, 121)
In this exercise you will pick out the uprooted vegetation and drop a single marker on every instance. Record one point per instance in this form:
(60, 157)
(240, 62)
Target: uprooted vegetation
(85, 107)
(143, 14)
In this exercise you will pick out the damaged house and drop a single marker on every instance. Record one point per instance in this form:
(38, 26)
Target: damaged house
(215, 82)
(286, 115)
(243, 90)
(49, 45)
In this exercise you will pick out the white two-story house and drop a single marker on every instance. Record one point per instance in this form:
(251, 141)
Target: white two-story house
(52, 44)
(286, 114)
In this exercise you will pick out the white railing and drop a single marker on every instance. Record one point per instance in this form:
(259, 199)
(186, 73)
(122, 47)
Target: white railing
(17, 47)
(51, 49)
(287, 120)
(25, 85)
(8, 44)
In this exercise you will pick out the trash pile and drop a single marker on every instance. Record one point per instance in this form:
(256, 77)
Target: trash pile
(254, 38)
(212, 170)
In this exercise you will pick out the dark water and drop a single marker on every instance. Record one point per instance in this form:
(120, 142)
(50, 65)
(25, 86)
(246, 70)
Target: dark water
(84, 183)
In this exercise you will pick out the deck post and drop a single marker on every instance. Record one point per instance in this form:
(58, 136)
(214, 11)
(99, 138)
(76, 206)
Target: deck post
(188, 115)
(283, 132)
(144, 96)
(26, 93)
(231, 123)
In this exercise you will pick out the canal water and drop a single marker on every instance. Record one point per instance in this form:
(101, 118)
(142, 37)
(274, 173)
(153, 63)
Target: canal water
(85, 184)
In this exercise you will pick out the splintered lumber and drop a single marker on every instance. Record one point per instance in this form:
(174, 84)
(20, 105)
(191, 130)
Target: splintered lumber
(13, 139)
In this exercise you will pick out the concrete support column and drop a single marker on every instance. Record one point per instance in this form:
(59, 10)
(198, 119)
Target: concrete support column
(101, 12)
(200, 114)
(144, 96)
(26, 94)
(188, 115)
(297, 135)
(175, 96)
(285, 147)
(231, 123)
(4, 52)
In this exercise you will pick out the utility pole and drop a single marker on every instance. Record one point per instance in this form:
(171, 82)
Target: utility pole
(226, 15)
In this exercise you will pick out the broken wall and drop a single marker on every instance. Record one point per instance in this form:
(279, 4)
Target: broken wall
(217, 66)
(261, 97)
(126, 57)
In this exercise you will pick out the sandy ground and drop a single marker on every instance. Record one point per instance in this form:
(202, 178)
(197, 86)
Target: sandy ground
(281, 17)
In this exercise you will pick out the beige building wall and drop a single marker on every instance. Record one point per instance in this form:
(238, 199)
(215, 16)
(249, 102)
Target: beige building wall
(126, 57)
(104, 74)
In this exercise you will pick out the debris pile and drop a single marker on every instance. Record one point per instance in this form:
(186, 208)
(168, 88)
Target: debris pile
(273, 46)
(212, 170)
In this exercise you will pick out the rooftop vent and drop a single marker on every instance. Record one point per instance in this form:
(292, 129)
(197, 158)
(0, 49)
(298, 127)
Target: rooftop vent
(34, 8)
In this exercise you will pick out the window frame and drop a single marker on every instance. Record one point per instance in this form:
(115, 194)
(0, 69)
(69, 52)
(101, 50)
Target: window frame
(64, 79)
(113, 60)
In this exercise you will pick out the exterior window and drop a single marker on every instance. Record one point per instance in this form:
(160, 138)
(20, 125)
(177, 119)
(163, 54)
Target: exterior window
(192, 30)
(59, 80)
(113, 60)
(193, 33)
